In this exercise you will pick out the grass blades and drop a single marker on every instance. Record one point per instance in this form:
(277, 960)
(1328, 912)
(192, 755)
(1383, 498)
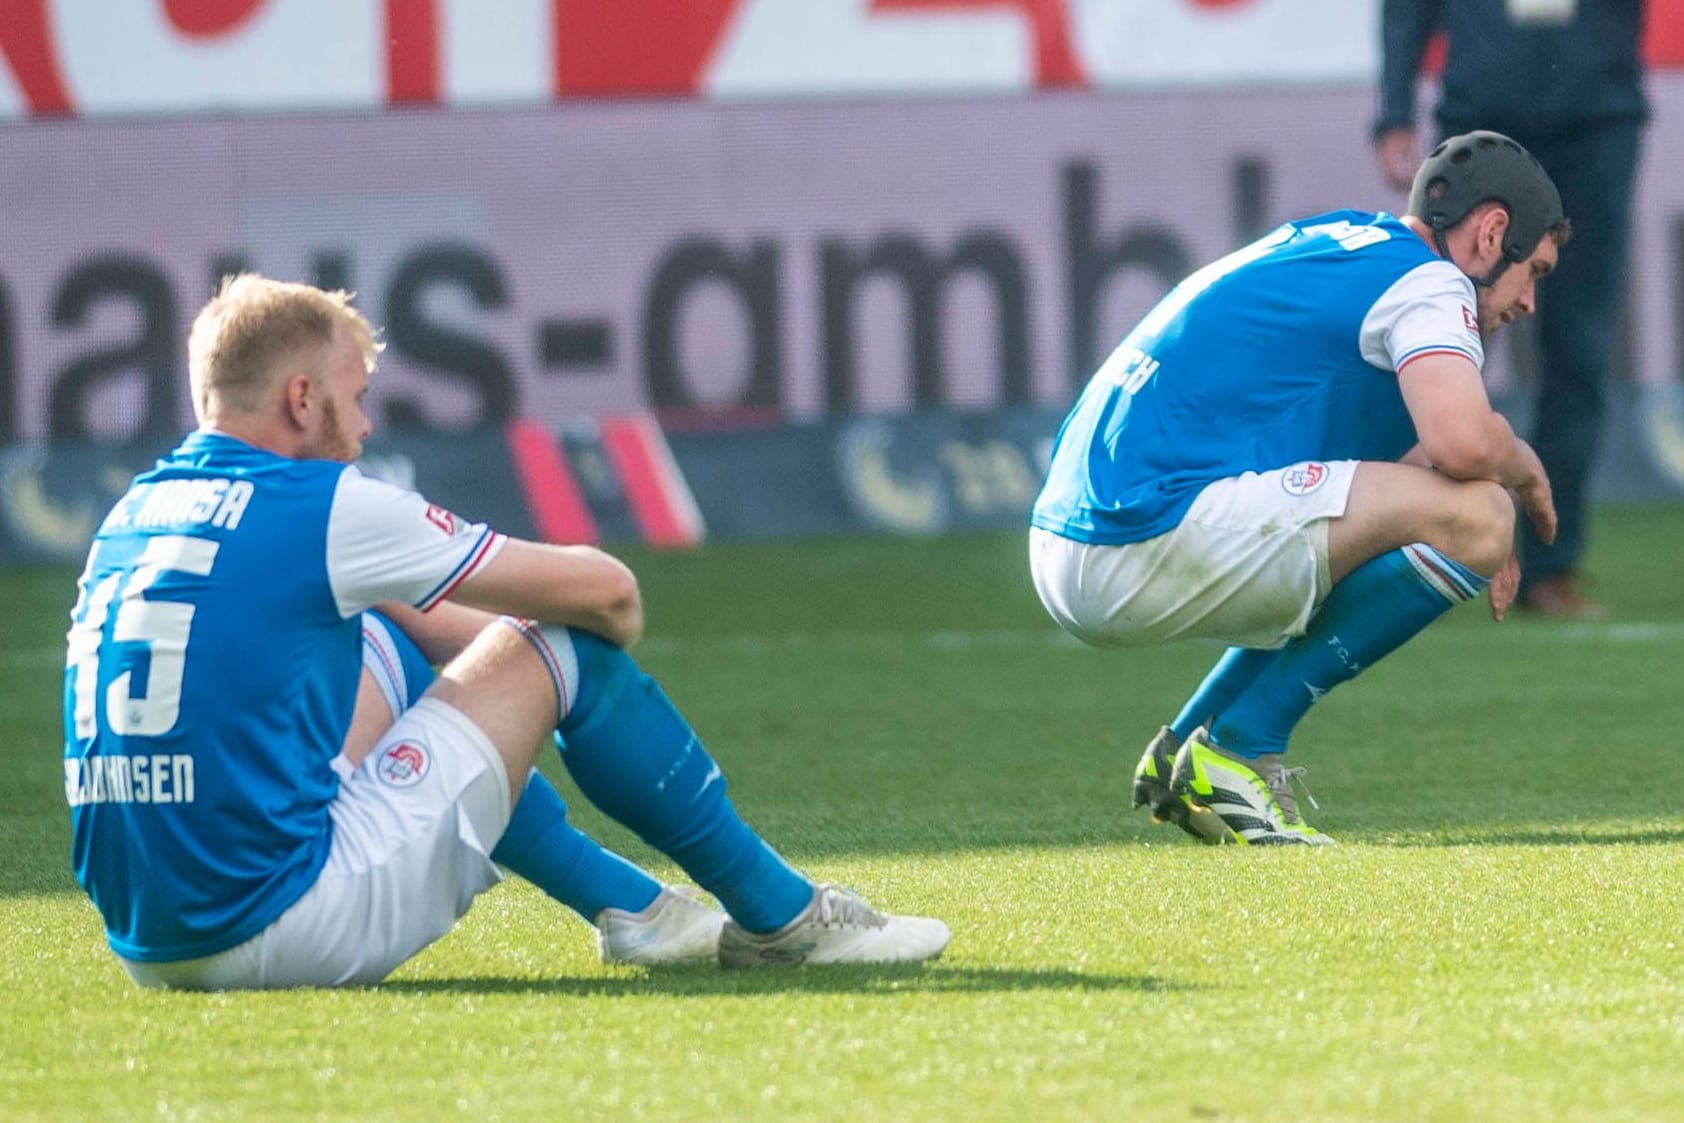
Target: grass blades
(1500, 934)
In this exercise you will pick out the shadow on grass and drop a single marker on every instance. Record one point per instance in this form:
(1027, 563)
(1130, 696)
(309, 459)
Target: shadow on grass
(709, 981)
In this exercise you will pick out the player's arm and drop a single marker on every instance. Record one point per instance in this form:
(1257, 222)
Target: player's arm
(1405, 26)
(442, 632)
(386, 543)
(579, 586)
(1463, 437)
(1424, 328)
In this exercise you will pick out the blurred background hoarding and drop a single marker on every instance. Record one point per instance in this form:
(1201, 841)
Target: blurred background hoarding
(726, 214)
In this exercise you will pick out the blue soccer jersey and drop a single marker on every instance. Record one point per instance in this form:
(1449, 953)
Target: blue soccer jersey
(212, 670)
(1284, 351)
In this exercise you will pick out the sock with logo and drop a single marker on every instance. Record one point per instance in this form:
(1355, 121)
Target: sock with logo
(633, 755)
(1368, 615)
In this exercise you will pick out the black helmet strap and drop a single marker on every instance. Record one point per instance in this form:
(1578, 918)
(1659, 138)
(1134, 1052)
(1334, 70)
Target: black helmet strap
(1490, 278)
(1484, 282)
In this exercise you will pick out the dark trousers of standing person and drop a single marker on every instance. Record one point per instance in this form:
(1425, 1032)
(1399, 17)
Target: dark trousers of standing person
(1594, 168)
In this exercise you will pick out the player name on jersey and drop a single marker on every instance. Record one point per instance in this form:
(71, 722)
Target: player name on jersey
(219, 502)
(142, 778)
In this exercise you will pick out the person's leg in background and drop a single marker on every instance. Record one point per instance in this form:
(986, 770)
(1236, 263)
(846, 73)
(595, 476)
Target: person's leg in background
(1579, 303)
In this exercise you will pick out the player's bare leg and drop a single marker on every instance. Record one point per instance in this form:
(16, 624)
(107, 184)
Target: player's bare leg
(1396, 505)
(501, 685)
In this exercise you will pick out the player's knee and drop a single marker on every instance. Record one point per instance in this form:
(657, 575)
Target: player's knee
(598, 656)
(605, 672)
(1481, 530)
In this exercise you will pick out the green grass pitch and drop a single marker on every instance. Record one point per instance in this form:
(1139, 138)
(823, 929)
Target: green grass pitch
(1500, 935)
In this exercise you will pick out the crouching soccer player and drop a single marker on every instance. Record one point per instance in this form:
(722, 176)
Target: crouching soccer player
(214, 661)
(1294, 454)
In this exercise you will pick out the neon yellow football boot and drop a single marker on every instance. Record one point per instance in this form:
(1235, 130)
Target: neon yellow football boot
(1152, 789)
(1252, 798)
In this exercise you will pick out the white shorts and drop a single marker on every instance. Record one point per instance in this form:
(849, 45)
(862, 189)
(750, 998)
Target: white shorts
(1247, 565)
(413, 830)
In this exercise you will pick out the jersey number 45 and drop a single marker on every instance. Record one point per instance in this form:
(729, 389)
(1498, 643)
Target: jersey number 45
(161, 626)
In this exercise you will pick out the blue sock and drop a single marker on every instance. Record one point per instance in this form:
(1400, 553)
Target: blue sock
(1368, 615)
(1237, 669)
(544, 848)
(539, 845)
(633, 755)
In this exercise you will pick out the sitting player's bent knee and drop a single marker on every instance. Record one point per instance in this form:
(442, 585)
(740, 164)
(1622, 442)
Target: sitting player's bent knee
(605, 672)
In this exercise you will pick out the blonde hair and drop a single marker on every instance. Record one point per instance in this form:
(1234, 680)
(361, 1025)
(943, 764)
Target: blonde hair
(250, 327)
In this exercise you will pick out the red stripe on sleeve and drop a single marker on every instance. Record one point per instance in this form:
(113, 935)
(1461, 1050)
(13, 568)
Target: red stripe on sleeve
(469, 568)
(1435, 351)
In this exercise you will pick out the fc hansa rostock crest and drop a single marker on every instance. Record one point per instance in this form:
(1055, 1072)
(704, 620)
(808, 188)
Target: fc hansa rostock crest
(1301, 479)
(403, 765)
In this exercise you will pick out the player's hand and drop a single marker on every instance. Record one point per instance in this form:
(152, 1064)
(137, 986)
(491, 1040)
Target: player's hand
(1536, 497)
(1504, 586)
(1399, 156)
(1539, 504)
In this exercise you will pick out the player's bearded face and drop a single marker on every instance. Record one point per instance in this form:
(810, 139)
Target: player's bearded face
(336, 440)
(1515, 292)
(341, 423)
(1491, 317)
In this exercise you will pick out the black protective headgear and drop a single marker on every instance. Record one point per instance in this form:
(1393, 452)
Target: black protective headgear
(1465, 171)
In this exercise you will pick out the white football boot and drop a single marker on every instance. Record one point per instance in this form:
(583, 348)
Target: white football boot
(836, 927)
(679, 926)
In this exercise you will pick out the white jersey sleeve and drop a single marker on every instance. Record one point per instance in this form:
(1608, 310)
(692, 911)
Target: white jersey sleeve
(388, 543)
(1429, 310)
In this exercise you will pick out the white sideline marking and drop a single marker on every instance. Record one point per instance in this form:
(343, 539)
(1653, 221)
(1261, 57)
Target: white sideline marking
(945, 640)
(1633, 631)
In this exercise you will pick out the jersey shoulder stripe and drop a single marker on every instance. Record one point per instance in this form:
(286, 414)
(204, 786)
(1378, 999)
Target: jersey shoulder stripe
(482, 552)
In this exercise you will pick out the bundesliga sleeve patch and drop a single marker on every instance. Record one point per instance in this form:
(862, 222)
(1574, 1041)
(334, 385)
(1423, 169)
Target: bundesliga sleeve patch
(388, 543)
(441, 518)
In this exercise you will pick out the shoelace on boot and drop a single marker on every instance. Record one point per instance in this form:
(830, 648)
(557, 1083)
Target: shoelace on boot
(1280, 786)
(836, 905)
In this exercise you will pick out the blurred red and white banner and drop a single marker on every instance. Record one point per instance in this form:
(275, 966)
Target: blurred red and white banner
(143, 57)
